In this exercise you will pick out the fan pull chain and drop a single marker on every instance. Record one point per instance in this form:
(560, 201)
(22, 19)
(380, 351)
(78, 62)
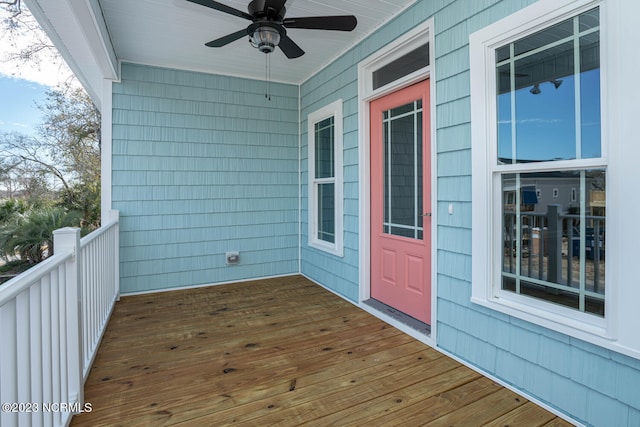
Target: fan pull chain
(268, 77)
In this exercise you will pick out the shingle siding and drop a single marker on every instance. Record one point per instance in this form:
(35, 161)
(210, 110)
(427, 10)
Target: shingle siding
(591, 384)
(194, 178)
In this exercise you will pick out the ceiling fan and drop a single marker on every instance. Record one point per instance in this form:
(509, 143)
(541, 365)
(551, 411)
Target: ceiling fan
(268, 25)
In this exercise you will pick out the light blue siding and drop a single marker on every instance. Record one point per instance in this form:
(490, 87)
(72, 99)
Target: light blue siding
(591, 384)
(204, 164)
(194, 178)
(579, 379)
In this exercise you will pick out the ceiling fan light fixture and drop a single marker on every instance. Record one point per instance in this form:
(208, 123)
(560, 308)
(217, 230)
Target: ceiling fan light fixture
(265, 38)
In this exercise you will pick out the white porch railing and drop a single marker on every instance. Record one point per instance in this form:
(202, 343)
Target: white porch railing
(52, 318)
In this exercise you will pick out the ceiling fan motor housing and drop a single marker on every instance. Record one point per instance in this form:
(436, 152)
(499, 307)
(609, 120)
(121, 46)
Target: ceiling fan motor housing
(259, 9)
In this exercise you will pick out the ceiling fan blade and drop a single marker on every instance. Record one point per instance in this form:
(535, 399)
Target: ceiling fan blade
(223, 41)
(223, 8)
(290, 48)
(336, 23)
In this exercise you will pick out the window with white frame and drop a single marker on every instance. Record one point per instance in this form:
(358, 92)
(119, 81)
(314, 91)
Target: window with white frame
(325, 178)
(537, 133)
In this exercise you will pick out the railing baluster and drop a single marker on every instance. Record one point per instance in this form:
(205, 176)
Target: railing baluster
(8, 362)
(23, 326)
(35, 332)
(56, 324)
(46, 345)
(64, 340)
(530, 246)
(543, 248)
(570, 252)
(596, 255)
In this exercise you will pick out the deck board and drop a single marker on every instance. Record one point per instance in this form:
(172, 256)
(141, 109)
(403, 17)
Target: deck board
(280, 352)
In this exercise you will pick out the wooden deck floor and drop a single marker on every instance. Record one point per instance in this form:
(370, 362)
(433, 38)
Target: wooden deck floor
(281, 352)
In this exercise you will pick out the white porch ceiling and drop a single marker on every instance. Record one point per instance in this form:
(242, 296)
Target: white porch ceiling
(172, 33)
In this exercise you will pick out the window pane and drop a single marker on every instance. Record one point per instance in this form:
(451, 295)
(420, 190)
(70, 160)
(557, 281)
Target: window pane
(548, 108)
(502, 53)
(504, 114)
(403, 171)
(590, 19)
(324, 148)
(590, 95)
(542, 38)
(554, 237)
(326, 215)
(545, 113)
(401, 110)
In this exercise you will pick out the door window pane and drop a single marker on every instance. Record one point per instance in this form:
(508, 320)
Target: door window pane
(402, 144)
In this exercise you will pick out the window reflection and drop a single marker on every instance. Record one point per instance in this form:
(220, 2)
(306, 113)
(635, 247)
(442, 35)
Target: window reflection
(553, 237)
(548, 94)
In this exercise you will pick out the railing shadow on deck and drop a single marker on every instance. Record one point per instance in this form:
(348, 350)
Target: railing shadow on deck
(52, 318)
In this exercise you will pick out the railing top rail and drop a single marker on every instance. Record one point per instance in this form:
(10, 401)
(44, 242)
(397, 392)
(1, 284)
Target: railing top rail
(574, 216)
(97, 233)
(540, 214)
(17, 285)
(544, 214)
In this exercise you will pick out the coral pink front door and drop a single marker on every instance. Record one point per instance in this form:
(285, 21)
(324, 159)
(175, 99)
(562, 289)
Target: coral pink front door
(401, 201)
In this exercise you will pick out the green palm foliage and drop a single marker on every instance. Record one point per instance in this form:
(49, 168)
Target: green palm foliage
(30, 234)
(12, 207)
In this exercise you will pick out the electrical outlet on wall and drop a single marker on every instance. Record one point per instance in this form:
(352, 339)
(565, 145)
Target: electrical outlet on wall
(232, 257)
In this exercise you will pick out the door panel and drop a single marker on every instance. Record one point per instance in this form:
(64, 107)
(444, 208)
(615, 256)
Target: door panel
(400, 198)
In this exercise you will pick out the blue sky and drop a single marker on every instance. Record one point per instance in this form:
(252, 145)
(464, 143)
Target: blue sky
(24, 84)
(545, 122)
(18, 111)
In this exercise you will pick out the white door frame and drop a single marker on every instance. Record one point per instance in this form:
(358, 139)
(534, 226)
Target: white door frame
(405, 44)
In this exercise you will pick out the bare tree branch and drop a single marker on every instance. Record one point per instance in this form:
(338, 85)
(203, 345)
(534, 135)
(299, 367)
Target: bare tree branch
(13, 6)
(30, 153)
(25, 43)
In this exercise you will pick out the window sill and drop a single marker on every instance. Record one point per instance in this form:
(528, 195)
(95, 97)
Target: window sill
(327, 247)
(548, 315)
